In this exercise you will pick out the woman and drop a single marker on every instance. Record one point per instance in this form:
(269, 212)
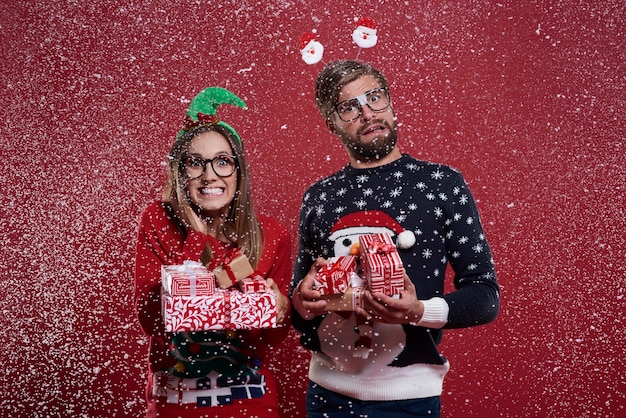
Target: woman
(206, 211)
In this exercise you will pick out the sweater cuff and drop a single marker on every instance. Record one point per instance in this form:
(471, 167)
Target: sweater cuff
(435, 313)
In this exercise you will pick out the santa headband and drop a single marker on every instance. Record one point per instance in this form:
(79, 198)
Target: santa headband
(365, 36)
(203, 110)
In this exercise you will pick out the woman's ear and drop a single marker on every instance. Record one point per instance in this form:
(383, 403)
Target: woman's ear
(331, 126)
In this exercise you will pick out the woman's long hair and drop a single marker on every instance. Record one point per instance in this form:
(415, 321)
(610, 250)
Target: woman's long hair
(247, 234)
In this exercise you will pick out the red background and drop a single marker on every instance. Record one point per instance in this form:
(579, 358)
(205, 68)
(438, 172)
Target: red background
(525, 97)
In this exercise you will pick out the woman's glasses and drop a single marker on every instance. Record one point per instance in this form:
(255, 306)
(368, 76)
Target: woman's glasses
(222, 165)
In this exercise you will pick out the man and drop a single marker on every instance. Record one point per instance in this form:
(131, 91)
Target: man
(385, 361)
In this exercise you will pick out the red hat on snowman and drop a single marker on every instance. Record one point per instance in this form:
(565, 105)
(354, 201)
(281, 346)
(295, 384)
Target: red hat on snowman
(347, 230)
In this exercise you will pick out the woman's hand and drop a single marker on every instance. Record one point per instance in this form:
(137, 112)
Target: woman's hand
(188, 216)
(282, 303)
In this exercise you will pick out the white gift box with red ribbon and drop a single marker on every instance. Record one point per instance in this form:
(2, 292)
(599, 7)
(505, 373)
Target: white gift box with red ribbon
(381, 264)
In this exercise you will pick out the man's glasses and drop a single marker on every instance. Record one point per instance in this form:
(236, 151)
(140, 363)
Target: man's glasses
(377, 100)
(222, 165)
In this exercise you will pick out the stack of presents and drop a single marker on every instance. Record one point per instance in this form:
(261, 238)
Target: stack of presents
(232, 296)
(376, 266)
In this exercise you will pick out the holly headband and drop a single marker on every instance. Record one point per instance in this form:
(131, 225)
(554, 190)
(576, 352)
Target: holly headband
(202, 110)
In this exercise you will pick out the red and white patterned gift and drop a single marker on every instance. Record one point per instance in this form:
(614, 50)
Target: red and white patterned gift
(194, 313)
(252, 284)
(252, 310)
(381, 264)
(224, 309)
(188, 279)
(334, 277)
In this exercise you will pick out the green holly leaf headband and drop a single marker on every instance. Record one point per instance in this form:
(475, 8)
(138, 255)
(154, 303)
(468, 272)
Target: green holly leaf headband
(202, 109)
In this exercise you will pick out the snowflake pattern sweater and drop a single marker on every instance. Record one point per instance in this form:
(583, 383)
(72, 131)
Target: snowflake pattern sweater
(434, 202)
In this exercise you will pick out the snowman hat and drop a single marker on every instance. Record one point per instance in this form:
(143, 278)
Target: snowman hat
(373, 221)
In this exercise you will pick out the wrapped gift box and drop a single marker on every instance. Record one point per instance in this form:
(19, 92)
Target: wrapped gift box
(224, 309)
(348, 301)
(334, 277)
(188, 279)
(253, 284)
(231, 269)
(381, 264)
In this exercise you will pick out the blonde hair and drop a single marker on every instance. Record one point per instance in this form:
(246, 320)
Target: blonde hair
(248, 234)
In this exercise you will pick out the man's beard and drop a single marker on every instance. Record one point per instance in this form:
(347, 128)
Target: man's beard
(374, 150)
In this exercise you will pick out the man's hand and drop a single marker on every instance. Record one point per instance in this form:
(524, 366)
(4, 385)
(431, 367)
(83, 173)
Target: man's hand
(306, 300)
(383, 308)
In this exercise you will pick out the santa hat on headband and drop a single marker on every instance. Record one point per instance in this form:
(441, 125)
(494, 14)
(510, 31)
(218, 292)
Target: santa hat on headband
(365, 33)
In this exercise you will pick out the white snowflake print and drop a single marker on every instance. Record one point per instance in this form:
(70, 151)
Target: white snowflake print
(413, 206)
(443, 196)
(421, 186)
(456, 254)
(438, 212)
(401, 218)
(419, 232)
(339, 209)
(457, 216)
(319, 210)
(430, 196)
(387, 204)
(436, 273)
(478, 248)
(360, 204)
(398, 175)
(470, 220)
(472, 266)
(411, 166)
(396, 192)
(463, 240)
(437, 175)
(362, 178)
(322, 196)
(342, 191)
(368, 192)
(456, 190)
(463, 199)
(427, 253)
(481, 237)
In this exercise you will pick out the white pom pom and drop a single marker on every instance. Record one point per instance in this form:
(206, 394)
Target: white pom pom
(406, 239)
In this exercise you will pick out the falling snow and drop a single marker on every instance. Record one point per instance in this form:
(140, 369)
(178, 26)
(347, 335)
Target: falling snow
(526, 99)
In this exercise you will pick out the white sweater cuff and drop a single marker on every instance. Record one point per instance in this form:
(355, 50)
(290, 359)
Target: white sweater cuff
(435, 313)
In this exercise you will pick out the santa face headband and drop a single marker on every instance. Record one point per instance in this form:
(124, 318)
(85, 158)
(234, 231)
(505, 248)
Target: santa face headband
(203, 110)
(365, 36)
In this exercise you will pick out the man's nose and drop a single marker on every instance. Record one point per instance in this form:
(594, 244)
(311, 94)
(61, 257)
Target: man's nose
(366, 112)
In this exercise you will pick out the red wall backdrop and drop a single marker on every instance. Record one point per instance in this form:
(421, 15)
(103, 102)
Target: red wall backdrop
(526, 98)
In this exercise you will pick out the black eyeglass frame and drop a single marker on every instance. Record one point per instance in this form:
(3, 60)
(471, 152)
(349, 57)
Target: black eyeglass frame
(362, 100)
(206, 161)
